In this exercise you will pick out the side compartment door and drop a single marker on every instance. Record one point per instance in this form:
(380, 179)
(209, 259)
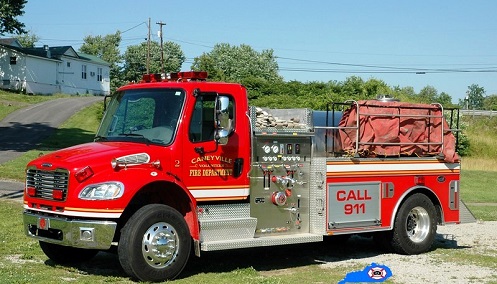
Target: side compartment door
(215, 171)
(353, 205)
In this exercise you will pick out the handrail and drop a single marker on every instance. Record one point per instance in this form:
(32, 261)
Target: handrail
(429, 124)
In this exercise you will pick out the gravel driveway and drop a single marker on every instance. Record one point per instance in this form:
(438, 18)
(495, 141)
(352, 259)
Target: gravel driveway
(468, 239)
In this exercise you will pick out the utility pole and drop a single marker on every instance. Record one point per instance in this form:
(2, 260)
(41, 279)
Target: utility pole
(161, 46)
(148, 48)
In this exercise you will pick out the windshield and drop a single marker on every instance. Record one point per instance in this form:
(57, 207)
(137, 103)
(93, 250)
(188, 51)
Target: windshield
(142, 115)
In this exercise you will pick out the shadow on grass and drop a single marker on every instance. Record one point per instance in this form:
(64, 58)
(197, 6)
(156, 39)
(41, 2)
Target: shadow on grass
(264, 258)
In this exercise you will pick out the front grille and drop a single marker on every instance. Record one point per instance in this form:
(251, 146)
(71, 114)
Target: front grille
(45, 182)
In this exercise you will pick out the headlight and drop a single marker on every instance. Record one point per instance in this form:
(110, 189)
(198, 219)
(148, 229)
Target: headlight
(102, 191)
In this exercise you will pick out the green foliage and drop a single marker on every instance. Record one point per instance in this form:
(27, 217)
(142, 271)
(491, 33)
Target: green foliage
(236, 63)
(481, 132)
(107, 48)
(135, 59)
(475, 95)
(9, 11)
(28, 39)
(490, 102)
(317, 95)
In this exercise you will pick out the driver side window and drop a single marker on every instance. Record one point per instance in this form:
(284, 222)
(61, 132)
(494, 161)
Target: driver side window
(202, 126)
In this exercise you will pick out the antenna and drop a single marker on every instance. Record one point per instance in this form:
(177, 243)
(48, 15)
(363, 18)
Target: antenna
(148, 48)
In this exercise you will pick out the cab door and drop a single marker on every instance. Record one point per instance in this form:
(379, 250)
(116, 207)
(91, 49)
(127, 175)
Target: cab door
(215, 169)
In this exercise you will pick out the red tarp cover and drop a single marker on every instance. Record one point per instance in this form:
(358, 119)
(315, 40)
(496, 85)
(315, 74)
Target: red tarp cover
(407, 125)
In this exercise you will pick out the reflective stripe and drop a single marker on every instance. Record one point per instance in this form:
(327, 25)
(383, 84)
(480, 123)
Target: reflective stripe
(221, 193)
(73, 213)
(389, 167)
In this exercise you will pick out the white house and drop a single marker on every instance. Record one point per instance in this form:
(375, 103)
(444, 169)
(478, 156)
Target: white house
(49, 70)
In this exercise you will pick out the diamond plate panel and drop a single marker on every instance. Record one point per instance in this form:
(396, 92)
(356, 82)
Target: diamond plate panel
(229, 229)
(318, 196)
(223, 211)
(261, 242)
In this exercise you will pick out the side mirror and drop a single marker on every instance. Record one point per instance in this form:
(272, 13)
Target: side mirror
(222, 120)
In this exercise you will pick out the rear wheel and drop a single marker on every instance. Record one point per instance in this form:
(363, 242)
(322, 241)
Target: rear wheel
(155, 244)
(415, 226)
(67, 255)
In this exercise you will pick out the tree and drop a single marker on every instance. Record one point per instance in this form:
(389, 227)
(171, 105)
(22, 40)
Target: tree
(236, 63)
(475, 95)
(353, 88)
(490, 102)
(135, 59)
(375, 87)
(107, 48)
(9, 11)
(444, 99)
(28, 39)
(428, 94)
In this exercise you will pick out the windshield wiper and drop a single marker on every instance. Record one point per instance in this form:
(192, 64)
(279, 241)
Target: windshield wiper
(99, 138)
(135, 135)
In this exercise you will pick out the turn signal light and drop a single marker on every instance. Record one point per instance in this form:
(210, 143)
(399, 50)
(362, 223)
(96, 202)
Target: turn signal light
(31, 191)
(419, 180)
(57, 194)
(84, 174)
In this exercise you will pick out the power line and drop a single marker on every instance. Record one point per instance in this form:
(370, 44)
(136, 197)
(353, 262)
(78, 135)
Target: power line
(379, 68)
(355, 71)
(134, 27)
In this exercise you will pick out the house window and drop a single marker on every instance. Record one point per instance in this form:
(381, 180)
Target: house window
(13, 60)
(68, 64)
(99, 74)
(83, 71)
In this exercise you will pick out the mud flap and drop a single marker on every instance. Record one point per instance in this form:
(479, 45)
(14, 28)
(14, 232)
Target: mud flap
(465, 215)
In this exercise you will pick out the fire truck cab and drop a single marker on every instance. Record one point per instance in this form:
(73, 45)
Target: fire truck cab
(181, 164)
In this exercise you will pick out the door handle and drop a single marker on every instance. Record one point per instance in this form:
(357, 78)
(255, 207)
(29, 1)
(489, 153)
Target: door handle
(238, 167)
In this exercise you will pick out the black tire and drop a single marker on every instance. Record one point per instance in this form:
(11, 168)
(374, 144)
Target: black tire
(67, 255)
(415, 226)
(155, 244)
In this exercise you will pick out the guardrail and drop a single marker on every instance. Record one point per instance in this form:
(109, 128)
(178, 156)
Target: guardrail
(475, 112)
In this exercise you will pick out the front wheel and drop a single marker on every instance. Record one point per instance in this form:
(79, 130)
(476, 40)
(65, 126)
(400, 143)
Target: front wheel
(415, 226)
(155, 244)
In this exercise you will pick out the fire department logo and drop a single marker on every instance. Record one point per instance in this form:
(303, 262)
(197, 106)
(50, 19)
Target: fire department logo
(377, 273)
(372, 273)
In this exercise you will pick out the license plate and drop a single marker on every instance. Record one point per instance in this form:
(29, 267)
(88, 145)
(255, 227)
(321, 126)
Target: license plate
(43, 223)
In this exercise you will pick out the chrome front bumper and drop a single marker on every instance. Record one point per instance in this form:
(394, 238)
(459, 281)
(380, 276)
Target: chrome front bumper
(74, 233)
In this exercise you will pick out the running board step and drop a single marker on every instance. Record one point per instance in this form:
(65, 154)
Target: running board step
(260, 242)
(227, 229)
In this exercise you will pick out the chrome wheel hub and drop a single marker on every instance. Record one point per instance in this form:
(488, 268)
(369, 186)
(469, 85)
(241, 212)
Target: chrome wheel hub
(160, 245)
(418, 224)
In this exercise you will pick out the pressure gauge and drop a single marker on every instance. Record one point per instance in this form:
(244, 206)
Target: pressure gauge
(275, 149)
(266, 149)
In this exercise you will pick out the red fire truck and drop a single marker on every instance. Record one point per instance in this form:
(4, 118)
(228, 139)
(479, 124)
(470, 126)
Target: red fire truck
(182, 165)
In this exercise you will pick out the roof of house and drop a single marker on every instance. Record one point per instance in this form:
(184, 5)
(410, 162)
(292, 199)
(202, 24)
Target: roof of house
(10, 41)
(54, 52)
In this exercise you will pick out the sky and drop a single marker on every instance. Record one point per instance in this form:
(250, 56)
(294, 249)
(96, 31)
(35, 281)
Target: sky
(448, 45)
